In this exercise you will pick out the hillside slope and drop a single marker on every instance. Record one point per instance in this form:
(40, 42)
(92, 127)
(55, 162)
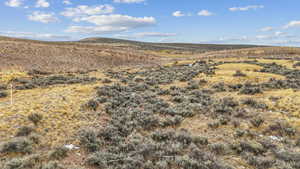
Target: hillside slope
(168, 46)
(66, 56)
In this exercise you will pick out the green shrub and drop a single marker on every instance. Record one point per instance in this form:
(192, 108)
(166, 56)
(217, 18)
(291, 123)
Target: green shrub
(214, 125)
(282, 128)
(261, 162)
(253, 103)
(296, 64)
(35, 138)
(239, 73)
(253, 147)
(3, 94)
(17, 145)
(24, 131)
(218, 148)
(240, 133)
(28, 162)
(88, 138)
(257, 121)
(35, 118)
(199, 140)
(3, 87)
(106, 80)
(58, 153)
(92, 105)
(52, 165)
(249, 89)
(287, 156)
(297, 143)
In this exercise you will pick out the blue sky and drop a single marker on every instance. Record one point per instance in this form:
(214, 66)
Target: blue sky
(192, 21)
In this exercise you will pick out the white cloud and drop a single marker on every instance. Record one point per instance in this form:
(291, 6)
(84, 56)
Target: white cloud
(129, 1)
(275, 35)
(205, 13)
(292, 24)
(31, 35)
(42, 4)
(275, 38)
(279, 33)
(246, 8)
(119, 20)
(178, 14)
(84, 10)
(264, 37)
(154, 34)
(111, 24)
(14, 3)
(67, 2)
(266, 29)
(95, 29)
(147, 34)
(42, 17)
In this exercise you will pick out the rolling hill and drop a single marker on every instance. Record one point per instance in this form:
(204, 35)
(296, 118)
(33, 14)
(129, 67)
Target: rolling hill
(168, 46)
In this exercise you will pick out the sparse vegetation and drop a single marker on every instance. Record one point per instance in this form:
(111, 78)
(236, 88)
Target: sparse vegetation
(35, 118)
(193, 114)
(239, 73)
(250, 89)
(58, 153)
(24, 131)
(3, 94)
(296, 64)
(17, 145)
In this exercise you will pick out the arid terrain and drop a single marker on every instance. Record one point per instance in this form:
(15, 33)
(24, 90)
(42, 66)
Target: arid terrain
(114, 104)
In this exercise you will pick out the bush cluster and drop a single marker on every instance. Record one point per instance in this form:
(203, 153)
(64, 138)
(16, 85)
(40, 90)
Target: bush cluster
(44, 81)
(3, 94)
(239, 73)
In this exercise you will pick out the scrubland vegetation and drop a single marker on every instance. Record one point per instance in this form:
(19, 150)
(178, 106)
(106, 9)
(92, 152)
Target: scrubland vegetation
(218, 113)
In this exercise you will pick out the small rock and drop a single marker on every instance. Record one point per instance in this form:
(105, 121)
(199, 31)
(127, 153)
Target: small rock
(71, 147)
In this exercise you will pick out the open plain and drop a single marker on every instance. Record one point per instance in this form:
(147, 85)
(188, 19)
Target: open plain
(106, 103)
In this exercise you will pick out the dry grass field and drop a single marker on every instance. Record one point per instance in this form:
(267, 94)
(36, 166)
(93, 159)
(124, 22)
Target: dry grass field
(67, 56)
(236, 109)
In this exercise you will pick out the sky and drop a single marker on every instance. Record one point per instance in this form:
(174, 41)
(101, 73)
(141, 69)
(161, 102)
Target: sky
(265, 22)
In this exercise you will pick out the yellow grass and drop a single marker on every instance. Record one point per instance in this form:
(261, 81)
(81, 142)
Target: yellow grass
(181, 62)
(8, 75)
(225, 72)
(238, 66)
(288, 63)
(288, 104)
(60, 106)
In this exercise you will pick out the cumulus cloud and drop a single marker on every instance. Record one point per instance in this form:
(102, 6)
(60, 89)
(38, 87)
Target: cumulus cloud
(275, 35)
(129, 1)
(274, 38)
(246, 8)
(292, 24)
(119, 20)
(155, 34)
(111, 23)
(178, 14)
(266, 29)
(31, 35)
(43, 17)
(84, 10)
(14, 3)
(42, 4)
(279, 33)
(147, 34)
(95, 29)
(205, 13)
(67, 2)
